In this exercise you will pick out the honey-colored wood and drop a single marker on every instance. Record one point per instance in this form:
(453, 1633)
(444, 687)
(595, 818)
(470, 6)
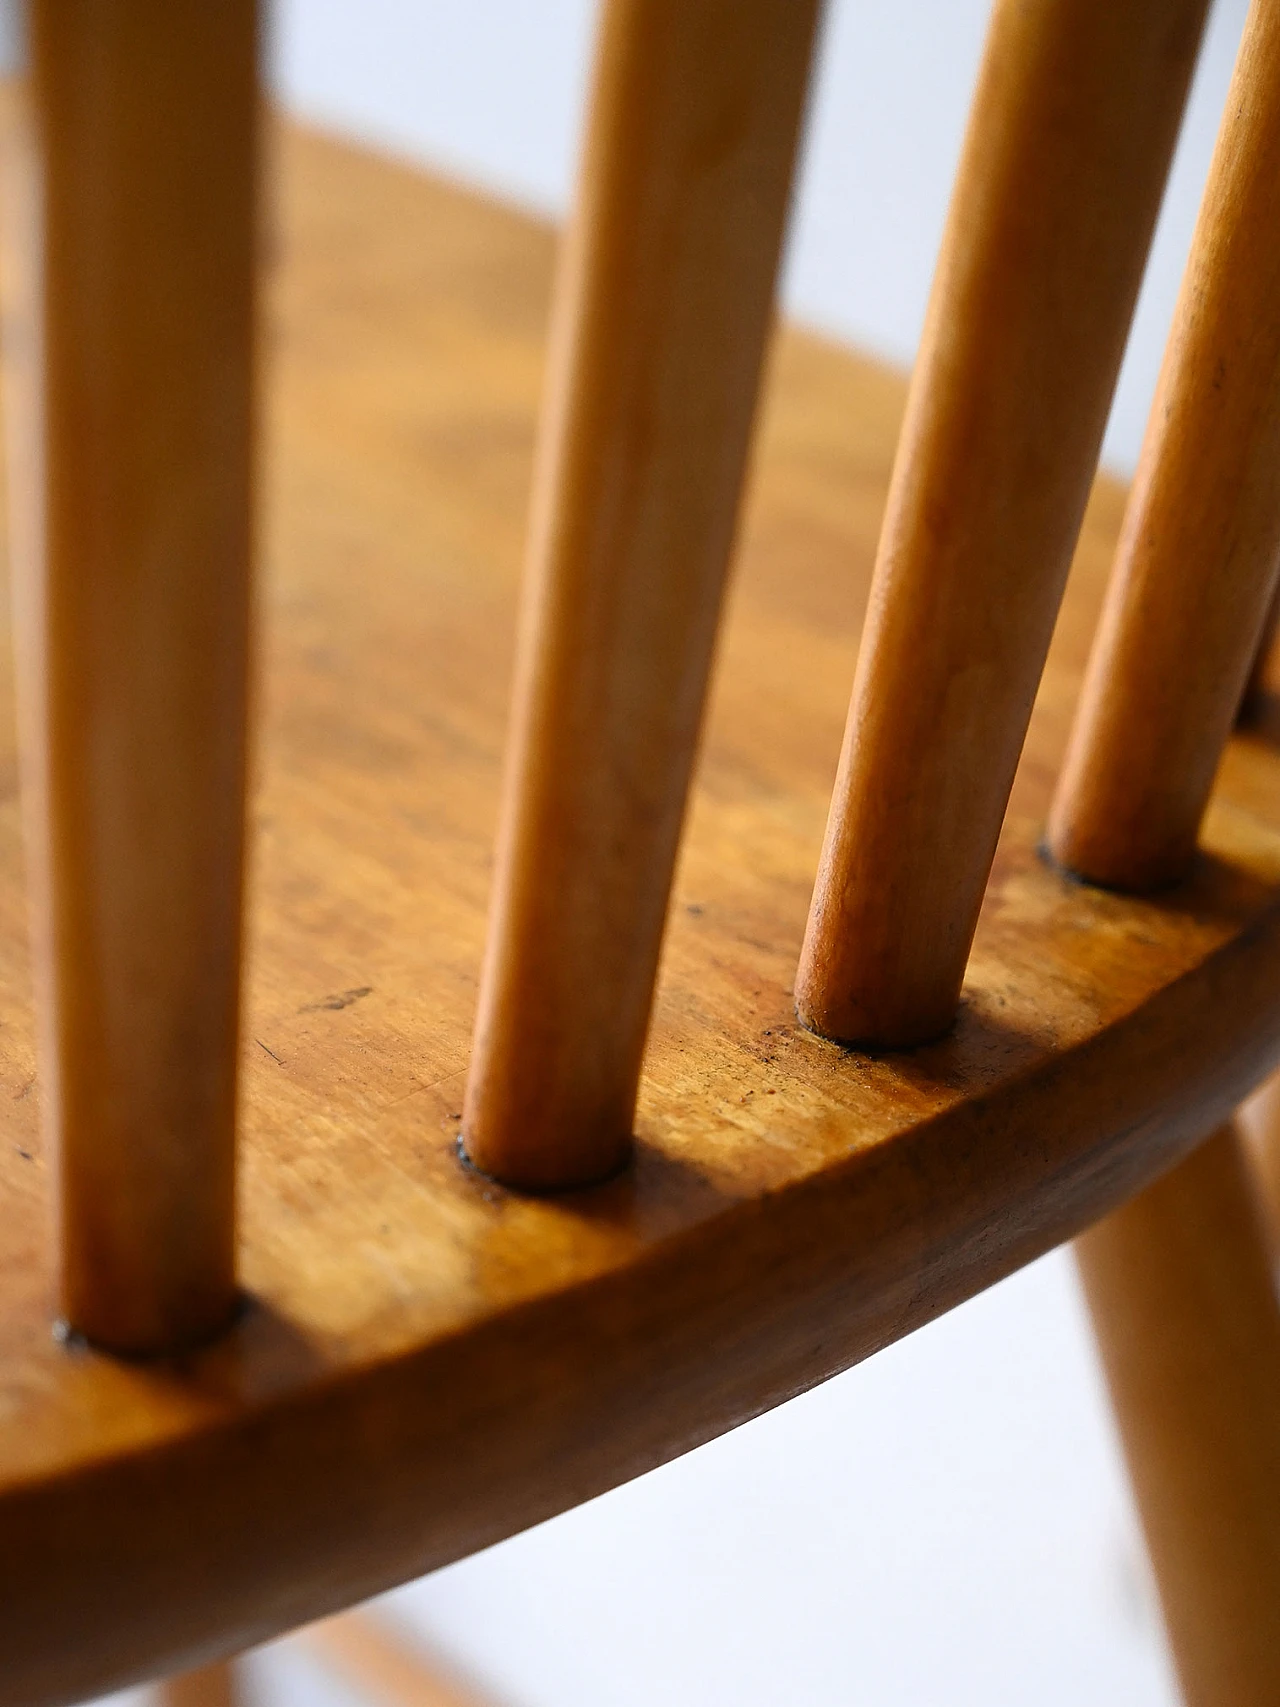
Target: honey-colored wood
(385, 1667)
(1198, 555)
(658, 335)
(1073, 126)
(1183, 1299)
(211, 1686)
(131, 419)
(429, 1362)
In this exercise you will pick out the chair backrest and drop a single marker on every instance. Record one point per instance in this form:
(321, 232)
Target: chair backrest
(132, 473)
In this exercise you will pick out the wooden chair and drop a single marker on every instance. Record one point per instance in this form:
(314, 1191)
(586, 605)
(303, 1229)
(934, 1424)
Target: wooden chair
(438, 1317)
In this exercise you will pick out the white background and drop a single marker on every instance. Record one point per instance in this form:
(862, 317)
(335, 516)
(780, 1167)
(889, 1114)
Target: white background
(946, 1525)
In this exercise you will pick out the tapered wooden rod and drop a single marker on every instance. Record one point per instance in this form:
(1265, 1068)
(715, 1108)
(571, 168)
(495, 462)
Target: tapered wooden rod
(660, 325)
(1069, 142)
(1200, 548)
(211, 1686)
(132, 452)
(1181, 1292)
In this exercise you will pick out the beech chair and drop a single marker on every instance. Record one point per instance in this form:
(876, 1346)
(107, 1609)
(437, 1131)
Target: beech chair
(342, 1295)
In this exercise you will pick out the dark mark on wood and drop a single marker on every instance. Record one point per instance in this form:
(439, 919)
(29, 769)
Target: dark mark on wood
(331, 1004)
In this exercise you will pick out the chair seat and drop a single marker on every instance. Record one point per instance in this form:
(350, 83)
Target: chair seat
(427, 1362)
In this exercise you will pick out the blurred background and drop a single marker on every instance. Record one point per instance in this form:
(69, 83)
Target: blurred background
(949, 1523)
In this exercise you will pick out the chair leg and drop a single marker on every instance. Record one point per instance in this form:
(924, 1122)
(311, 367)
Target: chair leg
(211, 1686)
(364, 1650)
(386, 1668)
(1180, 1287)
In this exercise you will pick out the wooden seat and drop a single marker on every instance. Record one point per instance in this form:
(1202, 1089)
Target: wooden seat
(425, 1360)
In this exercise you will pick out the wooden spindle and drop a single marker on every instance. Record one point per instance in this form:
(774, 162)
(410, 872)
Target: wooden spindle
(1180, 1288)
(1073, 126)
(132, 544)
(659, 329)
(1198, 554)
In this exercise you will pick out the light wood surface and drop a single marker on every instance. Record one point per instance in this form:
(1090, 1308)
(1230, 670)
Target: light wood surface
(430, 1362)
(211, 1686)
(657, 339)
(1182, 1293)
(1072, 129)
(387, 1667)
(131, 419)
(1200, 548)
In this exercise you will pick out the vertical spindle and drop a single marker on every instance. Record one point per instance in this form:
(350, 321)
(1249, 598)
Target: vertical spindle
(1073, 126)
(659, 330)
(132, 386)
(1200, 547)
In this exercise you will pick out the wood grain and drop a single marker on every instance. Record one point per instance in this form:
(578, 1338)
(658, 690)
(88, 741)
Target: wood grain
(657, 340)
(431, 1362)
(1069, 142)
(1182, 1293)
(1198, 556)
(132, 428)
